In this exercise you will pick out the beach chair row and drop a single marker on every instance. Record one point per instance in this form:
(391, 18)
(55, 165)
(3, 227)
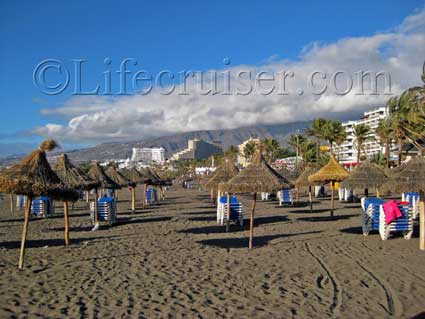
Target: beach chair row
(373, 219)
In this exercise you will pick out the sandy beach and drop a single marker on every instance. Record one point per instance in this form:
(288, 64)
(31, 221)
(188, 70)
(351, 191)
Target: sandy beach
(173, 261)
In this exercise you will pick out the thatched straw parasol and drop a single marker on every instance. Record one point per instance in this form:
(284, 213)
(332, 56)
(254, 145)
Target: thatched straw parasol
(33, 177)
(72, 177)
(366, 175)
(98, 174)
(117, 177)
(258, 176)
(392, 172)
(330, 173)
(411, 179)
(135, 178)
(302, 181)
(226, 171)
(291, 175)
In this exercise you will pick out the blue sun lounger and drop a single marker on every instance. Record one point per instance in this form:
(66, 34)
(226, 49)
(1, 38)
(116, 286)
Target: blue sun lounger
(107, 210)
(236, 213)
(151, 196)
(373, 219)
(285, 197)
(41, 207)
(413, 199)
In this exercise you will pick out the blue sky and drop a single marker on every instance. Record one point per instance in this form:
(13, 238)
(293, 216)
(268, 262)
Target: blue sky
(163, 35)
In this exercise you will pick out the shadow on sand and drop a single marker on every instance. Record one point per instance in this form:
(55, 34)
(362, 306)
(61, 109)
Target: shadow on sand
(242, 242)
(307, 211)
(54, 242)
(221, 229)
(326, 218)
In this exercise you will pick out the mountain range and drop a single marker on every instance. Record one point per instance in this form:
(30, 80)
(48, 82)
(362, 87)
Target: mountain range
(176, 142)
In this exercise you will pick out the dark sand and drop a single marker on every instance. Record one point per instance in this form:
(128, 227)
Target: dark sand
(173, 261)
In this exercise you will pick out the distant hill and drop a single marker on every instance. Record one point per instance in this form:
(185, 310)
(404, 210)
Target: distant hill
(173, 143)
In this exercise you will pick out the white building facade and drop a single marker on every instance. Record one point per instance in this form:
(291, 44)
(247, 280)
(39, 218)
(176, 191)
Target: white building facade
(149, 155)
(347, 151)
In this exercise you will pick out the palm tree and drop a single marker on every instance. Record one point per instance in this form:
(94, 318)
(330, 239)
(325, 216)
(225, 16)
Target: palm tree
(397, 118)
(333, 132)
(232, 152)
(307, 150)
(271, 147)
(295, 140)
(361, 134)
(385, 133)
(249, 149)
(316, 130)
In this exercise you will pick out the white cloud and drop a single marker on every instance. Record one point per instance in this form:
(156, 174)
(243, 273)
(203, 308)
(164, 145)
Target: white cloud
(399, 53)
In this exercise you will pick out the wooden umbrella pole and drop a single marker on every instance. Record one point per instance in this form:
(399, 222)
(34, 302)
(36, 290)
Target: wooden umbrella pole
(66, 220)
(421, 221)
(332, 199)
(144, 196)
(310, 197)
(24, 231)
(297, 195)
(251, 222)
(377, 193)
(87, 197)
(228, 212)
(11, 202)
(133, 199)
(96, 204)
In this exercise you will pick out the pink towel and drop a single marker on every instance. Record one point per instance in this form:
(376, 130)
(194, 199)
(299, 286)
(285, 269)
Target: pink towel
(391, 210)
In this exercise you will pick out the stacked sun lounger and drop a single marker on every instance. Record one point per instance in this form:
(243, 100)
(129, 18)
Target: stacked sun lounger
(107, 210)
(413, 199)
(236, 213)
(21, 201)
(373, 219)
(345, 195)
(285, 197)
(265, 196)
(151, 196)
(41, 207)
(319, 191)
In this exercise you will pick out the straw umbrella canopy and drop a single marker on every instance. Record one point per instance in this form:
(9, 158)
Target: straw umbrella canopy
(117, 177)
(411, 179)
(33, 177)
(258, 176)
(302, 181)
(290, 175)
(365, 176)
(135, 178)
(224, 173)
(72, 177)
(98, 174)
(330, 173)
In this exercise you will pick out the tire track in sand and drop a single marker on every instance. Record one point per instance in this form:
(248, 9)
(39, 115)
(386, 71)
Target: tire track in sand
(394, 306)
(337, 292)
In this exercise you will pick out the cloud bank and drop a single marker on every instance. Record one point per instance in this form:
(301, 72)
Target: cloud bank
(400, 53)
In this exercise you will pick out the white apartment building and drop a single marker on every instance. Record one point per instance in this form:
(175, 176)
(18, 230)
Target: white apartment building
(241, 160)
(347, 151)
(148, 155)
(198, 149)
